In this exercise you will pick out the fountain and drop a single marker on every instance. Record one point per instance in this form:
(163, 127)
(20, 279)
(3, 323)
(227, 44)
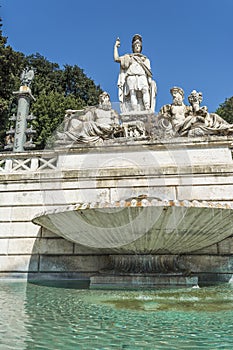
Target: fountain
(145, 234)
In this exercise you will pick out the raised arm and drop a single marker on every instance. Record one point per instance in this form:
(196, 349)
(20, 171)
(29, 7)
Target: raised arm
(116, 54)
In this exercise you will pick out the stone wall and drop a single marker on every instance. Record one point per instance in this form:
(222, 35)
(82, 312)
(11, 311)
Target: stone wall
(35, 181)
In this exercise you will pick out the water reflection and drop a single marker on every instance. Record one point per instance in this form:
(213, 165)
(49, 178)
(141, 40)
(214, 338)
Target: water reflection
(59, 317)
(13, 316)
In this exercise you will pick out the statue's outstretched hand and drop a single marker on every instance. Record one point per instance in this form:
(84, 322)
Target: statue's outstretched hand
(118, 42)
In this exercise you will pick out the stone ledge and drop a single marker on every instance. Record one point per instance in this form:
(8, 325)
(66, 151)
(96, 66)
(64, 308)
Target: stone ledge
(134, 281)
(19, 263)
(106, 173)
(78, 263)
(208, 263)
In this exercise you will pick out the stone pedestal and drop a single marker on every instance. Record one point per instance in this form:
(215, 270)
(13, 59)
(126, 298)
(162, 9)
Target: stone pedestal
(139, 281)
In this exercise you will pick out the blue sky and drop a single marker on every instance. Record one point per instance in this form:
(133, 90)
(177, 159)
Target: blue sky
(189, 43)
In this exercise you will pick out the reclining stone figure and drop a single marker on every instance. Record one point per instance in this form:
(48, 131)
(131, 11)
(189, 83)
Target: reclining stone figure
(91, 125)
(177, 119)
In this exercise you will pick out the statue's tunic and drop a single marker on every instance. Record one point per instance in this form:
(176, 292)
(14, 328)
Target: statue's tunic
(135, 70)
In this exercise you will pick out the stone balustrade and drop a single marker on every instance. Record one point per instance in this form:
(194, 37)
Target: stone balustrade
(27, 161)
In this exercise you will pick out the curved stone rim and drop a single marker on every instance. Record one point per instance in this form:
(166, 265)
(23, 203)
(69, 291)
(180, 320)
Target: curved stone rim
(136, 202)
(141, 225)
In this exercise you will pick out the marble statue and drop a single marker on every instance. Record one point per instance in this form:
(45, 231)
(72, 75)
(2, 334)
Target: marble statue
(137, 121)
(137, 90)
(178, 109)
(27, 76)
(91, 125)
(203, 122)
(177, 119)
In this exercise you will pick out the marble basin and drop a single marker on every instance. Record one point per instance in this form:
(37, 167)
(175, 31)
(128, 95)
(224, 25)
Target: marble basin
(142, 226)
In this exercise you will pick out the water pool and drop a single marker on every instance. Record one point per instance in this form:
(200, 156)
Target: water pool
(58, 317)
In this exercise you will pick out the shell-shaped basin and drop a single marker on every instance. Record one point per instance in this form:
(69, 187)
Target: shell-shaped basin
(143, 226)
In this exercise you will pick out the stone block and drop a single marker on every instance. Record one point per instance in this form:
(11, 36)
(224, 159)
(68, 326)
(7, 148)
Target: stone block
(73, 196)
(55, 246)
(19, 229)
(149, 191)
(73, 263)
(21, 198)
(47, 233)
(3, 246)
(158, 155)
(19, 186)
(21, 213)
(19, 263)
(226, 246)
(14, 276)
(22, 246)
(33, 184)
(208, 263)
(217, 179)
(61, 279)
(134, 281)
(141, 181)
(93, 160)
(208, 193)
(79, 249)
(210, 279)
(208, 155)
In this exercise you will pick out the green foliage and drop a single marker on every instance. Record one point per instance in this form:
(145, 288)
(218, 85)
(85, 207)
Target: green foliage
(55, 90)
(76, 82)
(11, 63)
(47, 75)
(50, 109)
(225, 110)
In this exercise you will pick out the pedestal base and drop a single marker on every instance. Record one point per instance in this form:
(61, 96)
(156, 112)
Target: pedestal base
(139, 281)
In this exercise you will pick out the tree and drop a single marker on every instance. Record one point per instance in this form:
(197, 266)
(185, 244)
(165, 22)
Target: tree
(55, 90)
(48, 75)
(77, 83)
(11, 63)
(225, 110)
(49, 109)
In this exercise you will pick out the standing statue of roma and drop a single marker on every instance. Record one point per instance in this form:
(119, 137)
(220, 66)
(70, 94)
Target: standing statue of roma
(137, 90)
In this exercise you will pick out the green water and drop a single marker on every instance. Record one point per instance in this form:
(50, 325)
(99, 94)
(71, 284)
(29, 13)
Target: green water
(57, 317)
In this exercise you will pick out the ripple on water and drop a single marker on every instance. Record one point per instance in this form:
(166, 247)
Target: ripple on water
(41, 317)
